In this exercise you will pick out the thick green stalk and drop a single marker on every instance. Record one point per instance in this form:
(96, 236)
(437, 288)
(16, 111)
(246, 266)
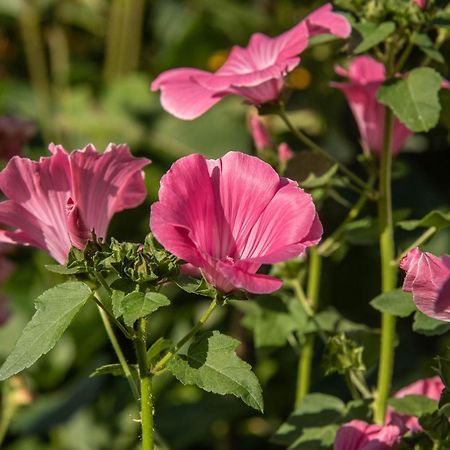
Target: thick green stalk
(174, 350)
(307, 346)
(388, 271)
(146, 387)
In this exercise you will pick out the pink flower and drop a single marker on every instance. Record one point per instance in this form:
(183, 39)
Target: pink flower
(54, 203)
(428, 387)
(229, 216)
(14, 133)
(359, 435)
(255, 72)
(422, 4)
(366, 75)
(260, 134)
(428, 278)
(285, 153)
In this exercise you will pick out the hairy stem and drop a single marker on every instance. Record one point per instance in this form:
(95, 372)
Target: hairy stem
(307, 346)
(388, 270)
(159, 366)
(146, 387)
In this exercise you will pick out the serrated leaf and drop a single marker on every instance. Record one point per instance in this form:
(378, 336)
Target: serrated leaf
(414, 99)
(115, 370)
(428, 326)
(372, 34)
(194, 286)
(397, 303)
(435, 218)
(212, 364)
(137, 305)
(414, 405)
(316, 410)
(56, 308)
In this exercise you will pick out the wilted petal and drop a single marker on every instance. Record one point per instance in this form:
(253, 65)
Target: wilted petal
(426, 277)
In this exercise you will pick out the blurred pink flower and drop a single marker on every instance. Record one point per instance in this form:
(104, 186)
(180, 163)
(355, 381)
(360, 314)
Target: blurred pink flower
(14, 132)
(359, 435)
(260, 134)
(428, 278)
(54, 203)
(366, 76)
(285, 153)
(428, 387)
(255, 72)
(229, 216)
(5, 312)
(422, 4)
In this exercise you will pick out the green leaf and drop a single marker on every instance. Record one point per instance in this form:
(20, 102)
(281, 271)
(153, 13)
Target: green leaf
(331, 321)
(316, 410)
(115, 370)
(212, 364)
(62, 270)
(429, 326)
(372, 34)
(427, 46)
(56, 308)
(435, 218)
(269, 318)
(194, 286)
(137, 305)
(414, 405)
(116, 300)
(396, 303)
(414, 99)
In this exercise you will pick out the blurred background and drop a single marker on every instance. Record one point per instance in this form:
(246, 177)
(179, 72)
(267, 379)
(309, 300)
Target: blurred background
(78, 71)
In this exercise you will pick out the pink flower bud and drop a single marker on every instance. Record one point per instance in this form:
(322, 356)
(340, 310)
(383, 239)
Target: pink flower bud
(260, 134)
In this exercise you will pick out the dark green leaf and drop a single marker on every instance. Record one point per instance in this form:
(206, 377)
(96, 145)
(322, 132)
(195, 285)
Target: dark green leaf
(316, 410)
(331, 321)
(112, 369)
(56, 308)
(427, 46)
(137, 305)
(372, 34)
(429, 326)
(435, 218)
(414, 405)
(414, 99)
(194, 286)
(396, 303)
(212, 364)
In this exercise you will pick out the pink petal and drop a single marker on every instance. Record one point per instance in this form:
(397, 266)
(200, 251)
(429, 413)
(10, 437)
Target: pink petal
(79, 234)
(104, 184)
(182, 96)
(260, 134)
(184, 220)
(365, 70)
(280, 230)
(324, 21)
(254, 283)
(285, 153)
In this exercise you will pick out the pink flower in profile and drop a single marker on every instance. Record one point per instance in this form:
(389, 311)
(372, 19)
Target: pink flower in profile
(285, 153)
(55, 202)
(428, 278)
(422, 4)
(366, 75)
(255, 72)
(359, 435)
(428, 387)
(229, 216)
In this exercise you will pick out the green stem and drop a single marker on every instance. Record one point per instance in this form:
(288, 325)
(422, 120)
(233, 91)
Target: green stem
(307, 348)
(420, 240)
(8, 411)
(159, 366)
(146, 387)
(388, 271)
(319, 150)
(119, 353)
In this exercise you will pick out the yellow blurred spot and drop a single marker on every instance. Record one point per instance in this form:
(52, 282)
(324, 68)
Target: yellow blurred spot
(216, 60)
(299, 78)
